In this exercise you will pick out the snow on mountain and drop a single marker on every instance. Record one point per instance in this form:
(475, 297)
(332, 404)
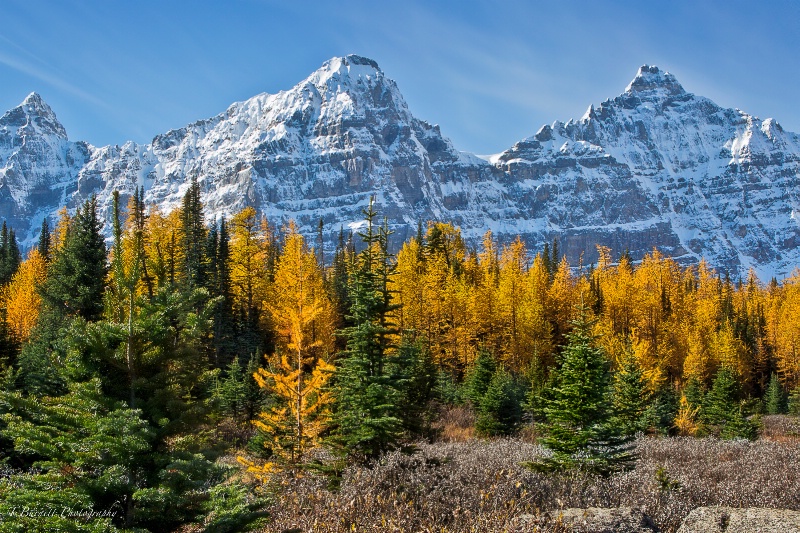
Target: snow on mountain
(657, 166)
(38, 165)
(654, 167)
(316, 151)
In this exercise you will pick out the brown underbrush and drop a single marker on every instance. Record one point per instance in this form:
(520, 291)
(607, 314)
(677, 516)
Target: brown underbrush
(479, 485)
(781, 428)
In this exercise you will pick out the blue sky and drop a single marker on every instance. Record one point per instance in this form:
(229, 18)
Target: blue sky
(489, 73)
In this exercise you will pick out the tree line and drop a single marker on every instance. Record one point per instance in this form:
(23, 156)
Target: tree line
(129, 371)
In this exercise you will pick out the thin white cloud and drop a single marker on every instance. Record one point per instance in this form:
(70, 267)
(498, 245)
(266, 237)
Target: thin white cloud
(43, 73)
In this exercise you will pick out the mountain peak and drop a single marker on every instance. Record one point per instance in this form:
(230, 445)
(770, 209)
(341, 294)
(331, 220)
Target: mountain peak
(652, 81)
(34, 115)
(349, 68)
(33, 99)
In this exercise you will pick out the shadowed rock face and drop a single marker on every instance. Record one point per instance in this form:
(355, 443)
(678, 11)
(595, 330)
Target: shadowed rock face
(654, 167)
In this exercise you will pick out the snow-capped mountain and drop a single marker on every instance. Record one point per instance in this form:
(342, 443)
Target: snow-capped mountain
(38, 165)
(654, 167)
(657, 166)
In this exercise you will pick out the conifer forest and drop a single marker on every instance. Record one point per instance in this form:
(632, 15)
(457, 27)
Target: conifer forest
(227, 375)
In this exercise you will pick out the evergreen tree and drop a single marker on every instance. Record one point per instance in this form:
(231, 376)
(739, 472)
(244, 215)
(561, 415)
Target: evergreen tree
(579, 429)
(121, 297)
(45, 239)
(448, 389)
(413, 367)
(366, 398)
(212, 242)
(39, 372)
(479, 378)
(163, 363)
(794, 401)
(77, 274)
(10, 256)
(343, 260)
(630, 396)
(219, 255)
(555, 260)
(548, 265)
(774, 399)
(693, 391)
(194, 238)
(72, 291)
(595, 293)
(721, 410)
(237, 394)
(84, 452)
(537, 380)
(8, 344)
(255, 397)
(232, 391)
(500, 408)
(663, 409)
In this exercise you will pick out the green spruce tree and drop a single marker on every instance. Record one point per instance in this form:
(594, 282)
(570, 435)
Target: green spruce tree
(500, 408)
(663, 408)
(10, 256)
(536, 377)
(194, 238)
(721, 411)
(79, 452)
(693, 390)
(414, 368)
(630, 396)
(225, 342)
(794, 401)
(775, 398)
(232, 391)
(479, 378)
(579, 426)
(45, 240)
(76, 278)
(366, 418)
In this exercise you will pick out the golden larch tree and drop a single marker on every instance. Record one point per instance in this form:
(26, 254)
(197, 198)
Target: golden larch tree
(249, 257)
(20, 297)
(302, 314)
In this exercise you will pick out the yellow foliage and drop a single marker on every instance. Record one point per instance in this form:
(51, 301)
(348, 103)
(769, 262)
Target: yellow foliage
(299, 305)
(295, 424)
(59, 234)
(20, 298)
(302, 314)
(408, 288)
(163, 251)
(785, 330)
(260, 472)
(249, 253)
(686, 419)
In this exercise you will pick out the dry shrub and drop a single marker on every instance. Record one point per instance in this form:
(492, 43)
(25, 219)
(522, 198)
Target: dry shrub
(479, 486)
(455, 423)
(234, 433)
(781, 428)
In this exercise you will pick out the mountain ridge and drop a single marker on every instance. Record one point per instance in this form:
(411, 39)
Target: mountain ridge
(655, 166)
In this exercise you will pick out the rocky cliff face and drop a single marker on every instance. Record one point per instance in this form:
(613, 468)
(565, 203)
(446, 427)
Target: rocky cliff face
(38, 165)
(657, 166)
(654, 167)
(317, 151)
